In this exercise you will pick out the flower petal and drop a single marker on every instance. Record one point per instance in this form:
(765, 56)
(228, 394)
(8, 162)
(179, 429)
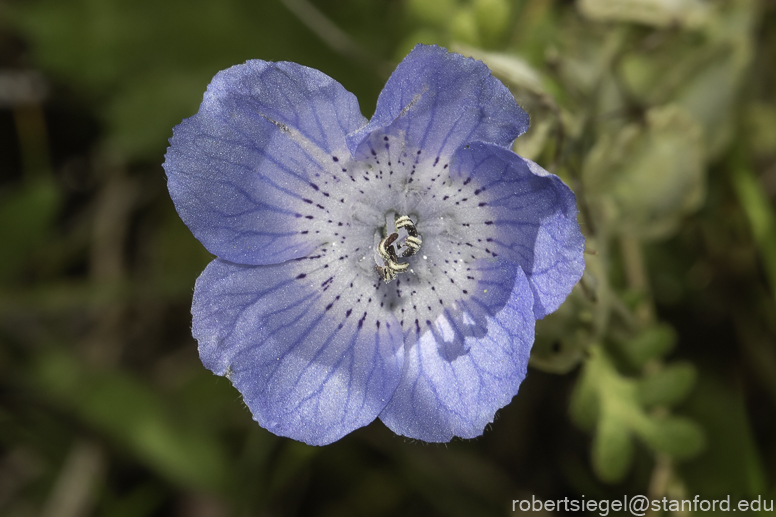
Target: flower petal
(306, 342)
(249, 172)
(439, 101)
(442, 395)
(528, 215)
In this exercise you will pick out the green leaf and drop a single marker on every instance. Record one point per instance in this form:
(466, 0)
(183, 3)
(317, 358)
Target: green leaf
(678, 437)
(712, 93)
(27, 215)
(137, 419)
(611, 402)
(563, 336)
(144, 64)
(612, 449)
(732, 463)
(493, 19)
(652, 343)
(760, 125)
(656, 13)
(760, 214)
(433, 12)
(644, 179)
(463, 26)
(584, 406)
(144, 112)
(669, 385)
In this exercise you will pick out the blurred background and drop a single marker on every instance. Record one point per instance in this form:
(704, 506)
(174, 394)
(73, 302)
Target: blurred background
(657, 376)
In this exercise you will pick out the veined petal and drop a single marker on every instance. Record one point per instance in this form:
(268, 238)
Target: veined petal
(250, 173)
(442, 395)
(306, 342)
(390, 269)
(440, 100)
(524, 214)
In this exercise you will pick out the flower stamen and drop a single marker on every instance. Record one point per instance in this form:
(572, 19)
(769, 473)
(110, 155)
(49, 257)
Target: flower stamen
(387, 250)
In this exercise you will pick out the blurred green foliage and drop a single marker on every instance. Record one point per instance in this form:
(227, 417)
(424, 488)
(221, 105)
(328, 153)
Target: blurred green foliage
(657, 376)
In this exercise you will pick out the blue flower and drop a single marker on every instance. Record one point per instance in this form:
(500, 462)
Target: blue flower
(390, 268)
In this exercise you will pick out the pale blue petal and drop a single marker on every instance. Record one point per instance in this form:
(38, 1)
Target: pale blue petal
(522, 213)
(306, 342)
(444, 394)
(437, 101)
(251, 173)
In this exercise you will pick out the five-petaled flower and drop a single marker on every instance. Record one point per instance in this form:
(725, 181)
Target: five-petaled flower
(320, 317)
